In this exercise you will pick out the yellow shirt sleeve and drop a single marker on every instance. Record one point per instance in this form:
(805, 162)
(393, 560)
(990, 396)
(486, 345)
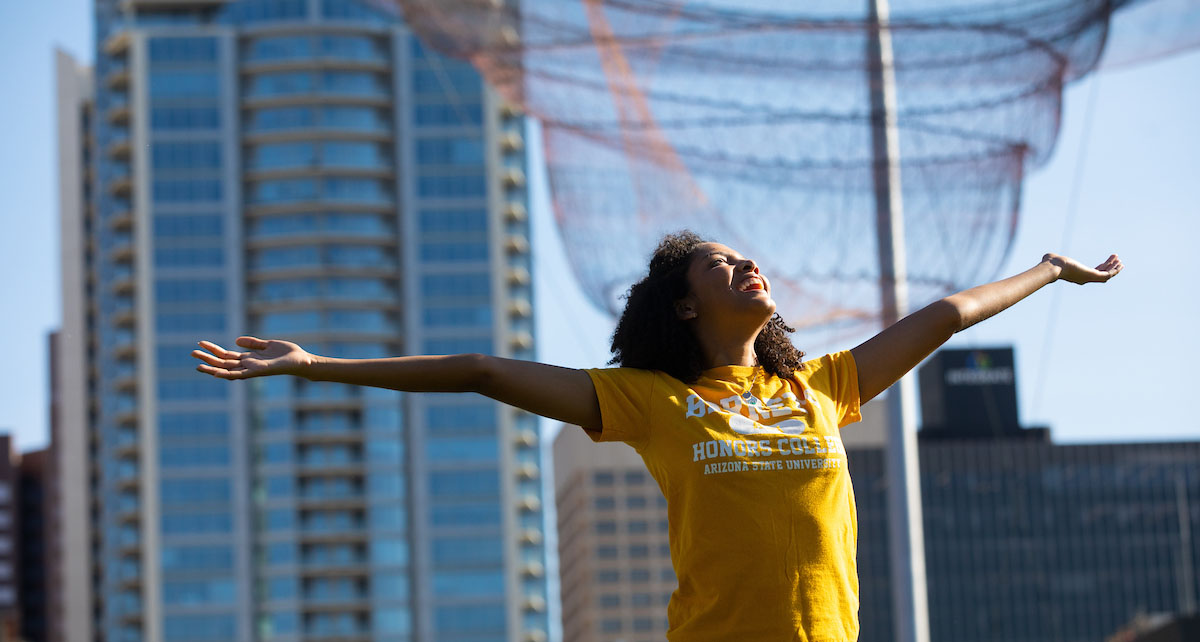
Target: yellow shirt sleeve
(836, 376)
(624, 395)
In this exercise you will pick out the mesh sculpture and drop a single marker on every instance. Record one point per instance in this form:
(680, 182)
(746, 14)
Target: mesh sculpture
(748, 121)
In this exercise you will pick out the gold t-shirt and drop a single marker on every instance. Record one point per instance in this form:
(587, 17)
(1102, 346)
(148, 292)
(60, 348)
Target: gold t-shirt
(763, 528)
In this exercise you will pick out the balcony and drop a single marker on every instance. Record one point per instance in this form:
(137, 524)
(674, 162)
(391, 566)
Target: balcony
(118, 114)
(119, 149)
(117, 44)
(122, 220)
(118, 79)
(121, 187)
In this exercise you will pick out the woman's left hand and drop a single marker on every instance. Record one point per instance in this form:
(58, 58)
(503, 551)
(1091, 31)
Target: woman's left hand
(1075, 272)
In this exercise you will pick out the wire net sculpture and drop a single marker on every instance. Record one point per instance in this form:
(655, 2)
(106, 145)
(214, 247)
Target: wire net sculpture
(749, 122)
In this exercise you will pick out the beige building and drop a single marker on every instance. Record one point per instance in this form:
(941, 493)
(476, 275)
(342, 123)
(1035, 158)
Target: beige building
(614, 558)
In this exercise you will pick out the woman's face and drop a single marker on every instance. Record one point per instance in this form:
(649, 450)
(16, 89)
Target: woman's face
(726, 284)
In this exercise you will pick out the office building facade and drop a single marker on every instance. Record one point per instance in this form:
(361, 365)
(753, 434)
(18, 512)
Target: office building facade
(614, 559)
(1027, 541)
(301, 170)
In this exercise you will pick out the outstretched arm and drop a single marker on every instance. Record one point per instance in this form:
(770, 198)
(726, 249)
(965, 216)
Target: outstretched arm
(887, 356)
(564, 394)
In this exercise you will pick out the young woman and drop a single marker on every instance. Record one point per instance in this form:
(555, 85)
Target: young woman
(740, 434)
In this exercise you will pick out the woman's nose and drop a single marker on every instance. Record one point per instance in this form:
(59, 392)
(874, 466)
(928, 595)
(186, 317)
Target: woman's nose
(748, 265)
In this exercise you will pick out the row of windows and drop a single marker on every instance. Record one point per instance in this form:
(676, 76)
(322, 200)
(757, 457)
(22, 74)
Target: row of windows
(453, 250)
(475, 449)
(638, 625)
(189, 491)
(456, 285)
(187, 226)
(614, 600)
(477, 619)
(197, 523)
(192, 424)
(608, 478)
(475, 419)
(447, 79)
(314, 155)
(332, 288)
(635, 526)
(329, 223)
(453, 114)
(193, 388)
(450, 151)
(457, 345)
(290, 83)
(186, 190)
(199, 592)
(317, 256)
(292, 190)
(465, 483)
(452, 186)
(309, 46)
(635, 551)
(327, 321)
(186, 155)
(450, 552)
(461, 316)
(175, 356)
(197, 558)
(176, 257)
(632, 501)
(340, 117)
(468, 583)
(208, 291)
(193, 455)
(174, 118)
(612, 576)
(457, 514)
(184, 84)
(456, 221)
(194, 628)
(183, 49)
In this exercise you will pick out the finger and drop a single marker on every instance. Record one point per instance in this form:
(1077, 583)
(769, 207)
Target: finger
(218, 350)
(254, 343)
(214, 361)
(221, 373)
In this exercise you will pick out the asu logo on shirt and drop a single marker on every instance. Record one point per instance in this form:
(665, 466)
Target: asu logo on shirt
(745, 412)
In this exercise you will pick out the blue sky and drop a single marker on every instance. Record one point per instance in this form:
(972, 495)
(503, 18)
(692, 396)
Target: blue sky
(1098, 363)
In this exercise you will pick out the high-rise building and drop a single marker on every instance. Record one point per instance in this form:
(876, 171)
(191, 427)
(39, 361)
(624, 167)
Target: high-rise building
(301, 170)
(614, 560)
(1025, 540)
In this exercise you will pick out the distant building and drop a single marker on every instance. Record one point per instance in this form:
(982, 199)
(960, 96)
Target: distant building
(1025, 540)
(614, 561)
(36, 545)
(10, 617)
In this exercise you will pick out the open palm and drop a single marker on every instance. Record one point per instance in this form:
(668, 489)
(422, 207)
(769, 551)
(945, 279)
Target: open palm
(266, 357)
(1075, 272)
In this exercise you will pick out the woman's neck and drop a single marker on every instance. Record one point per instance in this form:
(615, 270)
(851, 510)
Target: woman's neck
(728, 353)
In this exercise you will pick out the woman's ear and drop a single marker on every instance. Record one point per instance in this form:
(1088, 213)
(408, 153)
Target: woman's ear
(685, 309)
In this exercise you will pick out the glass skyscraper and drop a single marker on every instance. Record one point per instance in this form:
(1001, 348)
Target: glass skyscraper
(303, 170)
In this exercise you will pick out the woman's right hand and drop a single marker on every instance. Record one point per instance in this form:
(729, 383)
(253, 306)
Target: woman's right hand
(265, 358)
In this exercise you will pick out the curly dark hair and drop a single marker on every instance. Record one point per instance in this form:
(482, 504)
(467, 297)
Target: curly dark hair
(651, 335)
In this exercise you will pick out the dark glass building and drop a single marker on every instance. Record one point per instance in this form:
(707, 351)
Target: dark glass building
(1034, 542)
(1025, 540)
